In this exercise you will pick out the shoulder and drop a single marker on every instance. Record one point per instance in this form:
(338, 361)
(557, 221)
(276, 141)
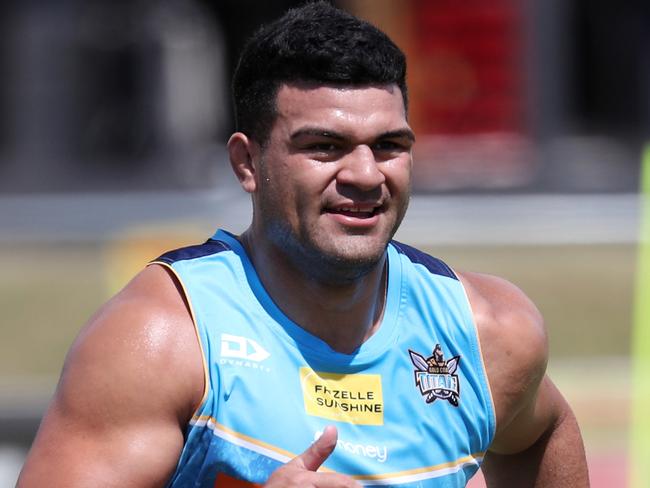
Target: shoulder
(513, 342)
(137, 337)
(129, 385)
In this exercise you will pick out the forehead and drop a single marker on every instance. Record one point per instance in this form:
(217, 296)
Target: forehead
(357, 109)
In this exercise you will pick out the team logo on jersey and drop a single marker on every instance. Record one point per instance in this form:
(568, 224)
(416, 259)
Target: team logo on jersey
(436, 377)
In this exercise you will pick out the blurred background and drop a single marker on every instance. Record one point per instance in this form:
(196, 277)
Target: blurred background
(530, 116)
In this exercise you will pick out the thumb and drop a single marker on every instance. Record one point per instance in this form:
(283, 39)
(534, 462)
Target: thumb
(319, 451)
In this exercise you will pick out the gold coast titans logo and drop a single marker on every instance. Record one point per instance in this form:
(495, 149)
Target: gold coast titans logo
(436, 377)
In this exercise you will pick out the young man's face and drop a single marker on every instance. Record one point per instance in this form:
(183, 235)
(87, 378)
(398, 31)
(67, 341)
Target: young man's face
(334, 177)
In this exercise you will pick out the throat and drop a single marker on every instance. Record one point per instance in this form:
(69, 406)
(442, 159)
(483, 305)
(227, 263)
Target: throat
(347, 323)
(343, 311)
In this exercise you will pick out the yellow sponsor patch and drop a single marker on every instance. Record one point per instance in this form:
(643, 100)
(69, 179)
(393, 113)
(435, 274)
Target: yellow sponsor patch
(355, 399)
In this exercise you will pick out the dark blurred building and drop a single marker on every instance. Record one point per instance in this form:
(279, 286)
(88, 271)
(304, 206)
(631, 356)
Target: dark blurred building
(103, 95)
(507, 95)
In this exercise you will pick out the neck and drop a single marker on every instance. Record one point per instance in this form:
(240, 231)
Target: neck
(344, 315)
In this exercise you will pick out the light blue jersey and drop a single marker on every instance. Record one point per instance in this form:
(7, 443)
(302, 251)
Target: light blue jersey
(412, 405)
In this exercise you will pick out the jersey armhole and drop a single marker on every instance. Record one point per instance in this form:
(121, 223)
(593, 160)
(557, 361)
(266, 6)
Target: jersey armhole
(186, 297)
(477, 338)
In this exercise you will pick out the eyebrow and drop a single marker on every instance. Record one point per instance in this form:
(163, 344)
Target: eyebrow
(320, 132)
(315, 131)
(398, 134)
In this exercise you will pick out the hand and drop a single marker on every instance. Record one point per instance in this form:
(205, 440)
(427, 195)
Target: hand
(301, 470)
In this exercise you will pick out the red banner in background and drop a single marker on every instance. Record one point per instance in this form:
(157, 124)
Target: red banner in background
(466, 58)
(467, 89)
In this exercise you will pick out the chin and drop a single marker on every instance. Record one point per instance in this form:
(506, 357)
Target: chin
(357, 248)
(347, 258)
(328, 257)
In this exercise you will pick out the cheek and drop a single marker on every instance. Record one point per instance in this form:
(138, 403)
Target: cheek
(276, 183)
(291, 196)
(312, 182)
(298, 186)
(398, 176)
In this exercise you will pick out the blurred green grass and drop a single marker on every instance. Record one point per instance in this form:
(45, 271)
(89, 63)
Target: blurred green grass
(46, 293)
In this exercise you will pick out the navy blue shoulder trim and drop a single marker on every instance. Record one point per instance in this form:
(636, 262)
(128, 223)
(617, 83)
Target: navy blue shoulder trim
(211, 246)
(435, 265)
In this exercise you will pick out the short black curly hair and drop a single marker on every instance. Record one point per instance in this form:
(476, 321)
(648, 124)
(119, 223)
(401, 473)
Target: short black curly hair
(313, 43)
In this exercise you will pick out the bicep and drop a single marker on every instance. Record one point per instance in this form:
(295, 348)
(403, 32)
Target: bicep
(77, 448)
(545, 409)
(541, 447)
(118, 415)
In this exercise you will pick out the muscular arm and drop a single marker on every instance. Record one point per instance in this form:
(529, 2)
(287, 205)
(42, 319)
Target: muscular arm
(555, 458)
(128, 387)
(538, 442)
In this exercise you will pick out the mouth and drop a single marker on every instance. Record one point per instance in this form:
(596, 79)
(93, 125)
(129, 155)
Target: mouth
(355, 215)
(356, 212)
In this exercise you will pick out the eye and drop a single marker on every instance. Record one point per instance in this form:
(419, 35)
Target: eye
(324, 151)
(386, 146)
(390, 146)
(322, 147)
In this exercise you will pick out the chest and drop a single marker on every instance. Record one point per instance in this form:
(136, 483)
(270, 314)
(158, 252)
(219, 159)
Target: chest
(395, 417)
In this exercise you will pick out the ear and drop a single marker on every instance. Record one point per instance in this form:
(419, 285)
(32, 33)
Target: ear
(243, 151)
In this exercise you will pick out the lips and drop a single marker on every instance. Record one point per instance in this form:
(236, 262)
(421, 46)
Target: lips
(355, 212)
(358, 211)
(352, 215)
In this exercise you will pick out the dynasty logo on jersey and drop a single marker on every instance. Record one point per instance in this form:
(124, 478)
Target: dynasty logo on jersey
(233, 346)
(436, 377)
(243, 352)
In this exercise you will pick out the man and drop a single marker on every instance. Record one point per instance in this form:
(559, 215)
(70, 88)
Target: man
(327, 354)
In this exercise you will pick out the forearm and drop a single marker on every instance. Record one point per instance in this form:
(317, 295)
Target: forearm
(556, 459)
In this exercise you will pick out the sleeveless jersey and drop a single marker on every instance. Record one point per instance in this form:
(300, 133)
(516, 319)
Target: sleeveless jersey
(412, 405)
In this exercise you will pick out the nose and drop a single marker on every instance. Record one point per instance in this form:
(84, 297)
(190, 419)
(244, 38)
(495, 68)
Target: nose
(360, 169)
